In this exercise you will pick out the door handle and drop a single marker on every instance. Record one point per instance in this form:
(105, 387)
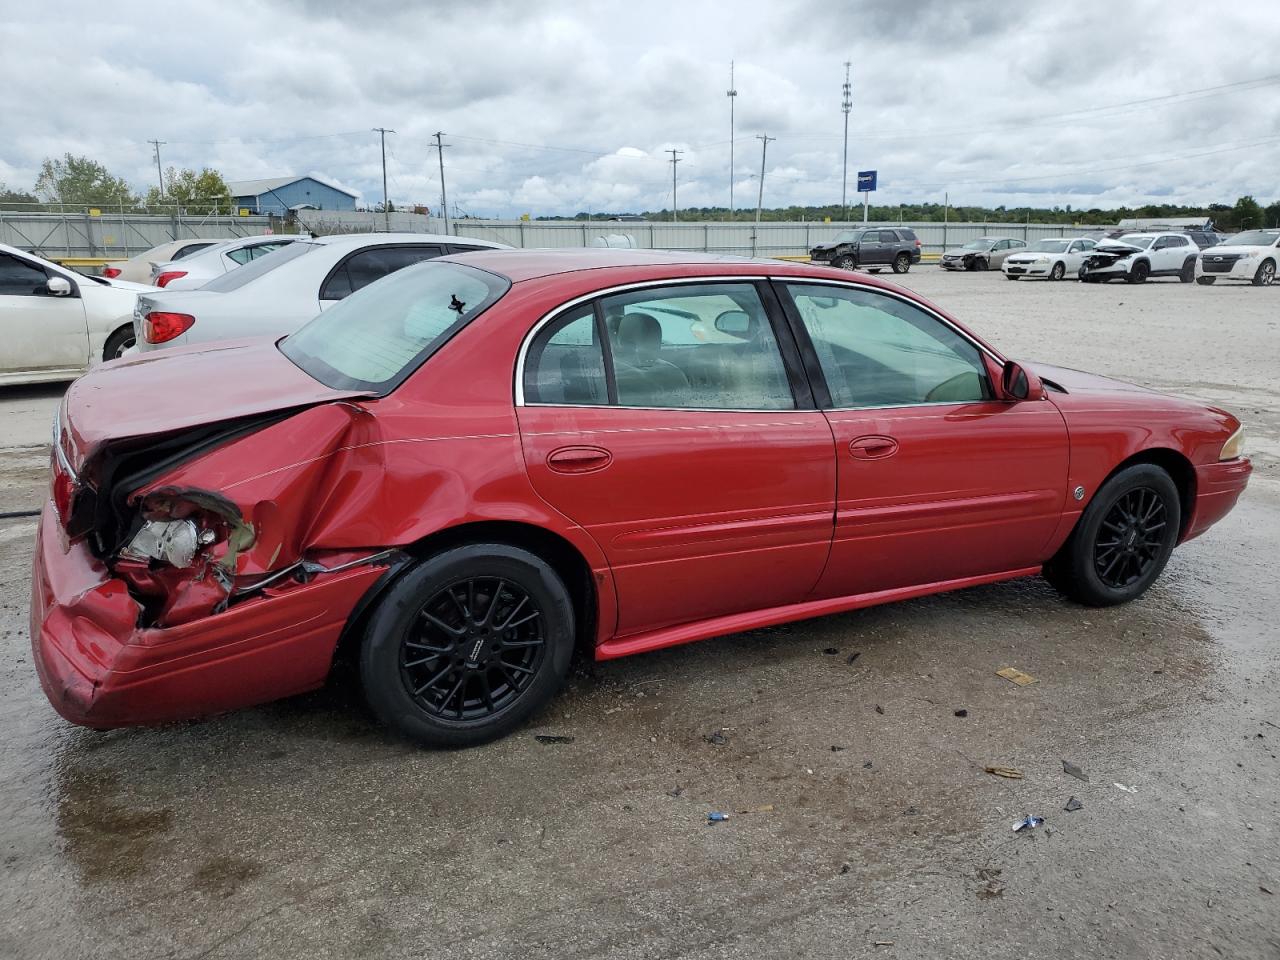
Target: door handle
(873, 447)
(579, 459)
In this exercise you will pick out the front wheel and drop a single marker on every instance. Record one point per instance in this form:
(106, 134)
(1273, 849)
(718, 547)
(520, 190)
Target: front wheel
(845, 262)
(1139, 272)
(1059, 271)
(901, 263)
(467, 645)
(1188, 271)
(1206, 281)
(1266, 274)
(1122, 541)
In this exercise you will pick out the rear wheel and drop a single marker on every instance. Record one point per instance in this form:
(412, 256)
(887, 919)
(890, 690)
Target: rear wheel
(120, 341)
(1059, 271)
(1188, 272)
(1139, 272)
(1205, 281)
(901, 263)
(843, 262)
(1122, 541)
(467, 645)
(1266, 274)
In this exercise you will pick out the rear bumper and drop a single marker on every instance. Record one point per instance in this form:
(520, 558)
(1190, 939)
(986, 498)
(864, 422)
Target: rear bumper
(100, 669)
(1026, 269)
(1218, 487)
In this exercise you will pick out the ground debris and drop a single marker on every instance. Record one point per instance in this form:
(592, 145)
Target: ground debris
(992, 885)
(961, 713)
(718, 737)
(1016, 676)
(1071, 770)
(853, 656)
(1073, 805)
(1027, 823)
(831, 651)
(552, 738)
(1009, 773)
(879, 709)
(715, 816)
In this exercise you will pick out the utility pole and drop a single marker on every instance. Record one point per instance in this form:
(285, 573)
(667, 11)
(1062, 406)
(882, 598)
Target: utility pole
(386, 213)
(444, 198)
(675, 207)
(846, 104)
(764, 149)
(158, 144)
(732, 94)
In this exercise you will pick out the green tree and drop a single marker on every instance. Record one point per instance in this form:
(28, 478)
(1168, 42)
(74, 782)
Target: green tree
(203, 192)
(1247, 213)
(80, 180)
(10, 197)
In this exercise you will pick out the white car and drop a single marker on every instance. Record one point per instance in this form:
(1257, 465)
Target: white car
(1135, 257)
(1053, 258)
(1252, 255)
(196, 270)
(278, 293)
(55, 323)
(140, 268)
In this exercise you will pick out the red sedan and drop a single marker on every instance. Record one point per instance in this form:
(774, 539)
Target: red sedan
(476, 464)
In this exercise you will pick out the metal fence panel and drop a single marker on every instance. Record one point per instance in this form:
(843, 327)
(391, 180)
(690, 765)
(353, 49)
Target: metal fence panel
(116, 235)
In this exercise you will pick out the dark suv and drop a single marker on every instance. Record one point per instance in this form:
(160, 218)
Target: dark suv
(870, 247)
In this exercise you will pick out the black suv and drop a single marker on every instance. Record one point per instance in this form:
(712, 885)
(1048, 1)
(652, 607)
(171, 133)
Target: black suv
(870, 247)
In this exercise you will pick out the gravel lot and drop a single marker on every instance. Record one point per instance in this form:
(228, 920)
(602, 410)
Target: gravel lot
(300, 829)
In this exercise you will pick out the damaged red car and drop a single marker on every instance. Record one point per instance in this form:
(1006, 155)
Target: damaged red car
(474, 466)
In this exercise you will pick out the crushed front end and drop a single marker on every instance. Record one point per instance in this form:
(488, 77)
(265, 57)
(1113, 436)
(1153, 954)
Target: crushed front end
(192, 572)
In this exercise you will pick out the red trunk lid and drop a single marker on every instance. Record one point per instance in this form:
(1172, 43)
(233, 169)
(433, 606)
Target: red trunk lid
(173, 390)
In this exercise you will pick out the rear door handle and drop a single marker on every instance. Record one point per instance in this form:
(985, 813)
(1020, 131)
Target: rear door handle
(873, 447)
(579, 459)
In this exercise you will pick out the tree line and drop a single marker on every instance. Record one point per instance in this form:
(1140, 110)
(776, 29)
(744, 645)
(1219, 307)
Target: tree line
(82, 181)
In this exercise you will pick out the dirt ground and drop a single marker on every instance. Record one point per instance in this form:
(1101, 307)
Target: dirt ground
(300, 829)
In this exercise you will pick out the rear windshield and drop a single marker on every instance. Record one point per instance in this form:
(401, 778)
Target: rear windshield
(379, 335)
(237, 278)
(1048, 246)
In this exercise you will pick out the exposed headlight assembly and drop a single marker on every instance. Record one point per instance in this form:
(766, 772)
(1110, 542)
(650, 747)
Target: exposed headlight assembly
(1234, 446)
(174, 542)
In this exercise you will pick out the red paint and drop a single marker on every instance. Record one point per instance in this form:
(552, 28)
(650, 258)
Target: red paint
(693, 523)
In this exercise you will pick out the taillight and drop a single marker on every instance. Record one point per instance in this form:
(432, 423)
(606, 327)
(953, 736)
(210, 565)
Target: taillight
(161, 327)
(168, 276)
(110, 272)
(918, 243)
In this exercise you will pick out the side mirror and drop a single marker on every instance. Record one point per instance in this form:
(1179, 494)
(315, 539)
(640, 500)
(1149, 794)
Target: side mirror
(736, 323)
(58, 287)
(1017, 383)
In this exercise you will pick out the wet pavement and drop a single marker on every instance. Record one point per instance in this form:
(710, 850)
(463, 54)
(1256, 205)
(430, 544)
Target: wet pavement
(300, 829)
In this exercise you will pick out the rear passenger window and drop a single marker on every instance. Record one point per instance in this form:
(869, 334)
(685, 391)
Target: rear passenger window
(565, 364)
(705, 346)
(363, 268)
(888, 236)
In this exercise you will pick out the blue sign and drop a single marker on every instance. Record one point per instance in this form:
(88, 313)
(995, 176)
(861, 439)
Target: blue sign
(866, 181)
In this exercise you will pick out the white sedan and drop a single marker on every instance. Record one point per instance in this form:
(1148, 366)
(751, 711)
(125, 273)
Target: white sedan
(197, 269)
(55, 323)
(278, 293)
(1252, 256)
(1049, 258)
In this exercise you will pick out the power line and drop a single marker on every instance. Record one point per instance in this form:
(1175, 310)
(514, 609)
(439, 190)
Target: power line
(386, 207)
(764, 139)
(444, 200)
(159, 173)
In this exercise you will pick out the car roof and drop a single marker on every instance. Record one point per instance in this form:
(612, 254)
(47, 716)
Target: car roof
(517, 265)
(384, 239)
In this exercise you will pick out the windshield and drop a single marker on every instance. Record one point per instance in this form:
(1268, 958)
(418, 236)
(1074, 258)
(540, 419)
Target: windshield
(237, 278)
(1139, 240)
(978, 245)
(849, 236)
(379, 335)
(1049, 246)
(1254, 238)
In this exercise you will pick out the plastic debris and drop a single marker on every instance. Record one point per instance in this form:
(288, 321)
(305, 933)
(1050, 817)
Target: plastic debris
(715, 816)
(879, 709)
(853, 656)
(961, 713)
(552, 738)
(884, 943)
(1027, 823)
(676, 792)
(1073, 805)
(1016, 676)
(1009, 773)
(717, 737)
(1071, 770)
(1121, 786)
(831, 651)
(835, 748)
(845, 868)
(867, 765)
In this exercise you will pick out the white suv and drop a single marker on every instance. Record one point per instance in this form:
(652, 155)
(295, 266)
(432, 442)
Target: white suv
(1135, 257)
(1251, 256)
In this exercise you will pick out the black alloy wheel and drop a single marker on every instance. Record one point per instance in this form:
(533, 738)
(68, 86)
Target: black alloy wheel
(1131, 538)
(467, 645)
(1139, 272)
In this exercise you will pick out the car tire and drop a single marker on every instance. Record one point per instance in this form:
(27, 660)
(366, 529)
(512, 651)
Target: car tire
(1139, 272)
(120, 341)
(844, 262)
(1188, 271)
(1059, 271)
(1103, 563)
(901, 263)
(1266, 274)
(1206, 281)
(467, 645)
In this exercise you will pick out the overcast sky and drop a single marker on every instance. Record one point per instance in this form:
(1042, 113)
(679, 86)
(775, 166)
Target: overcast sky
(555, 108)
